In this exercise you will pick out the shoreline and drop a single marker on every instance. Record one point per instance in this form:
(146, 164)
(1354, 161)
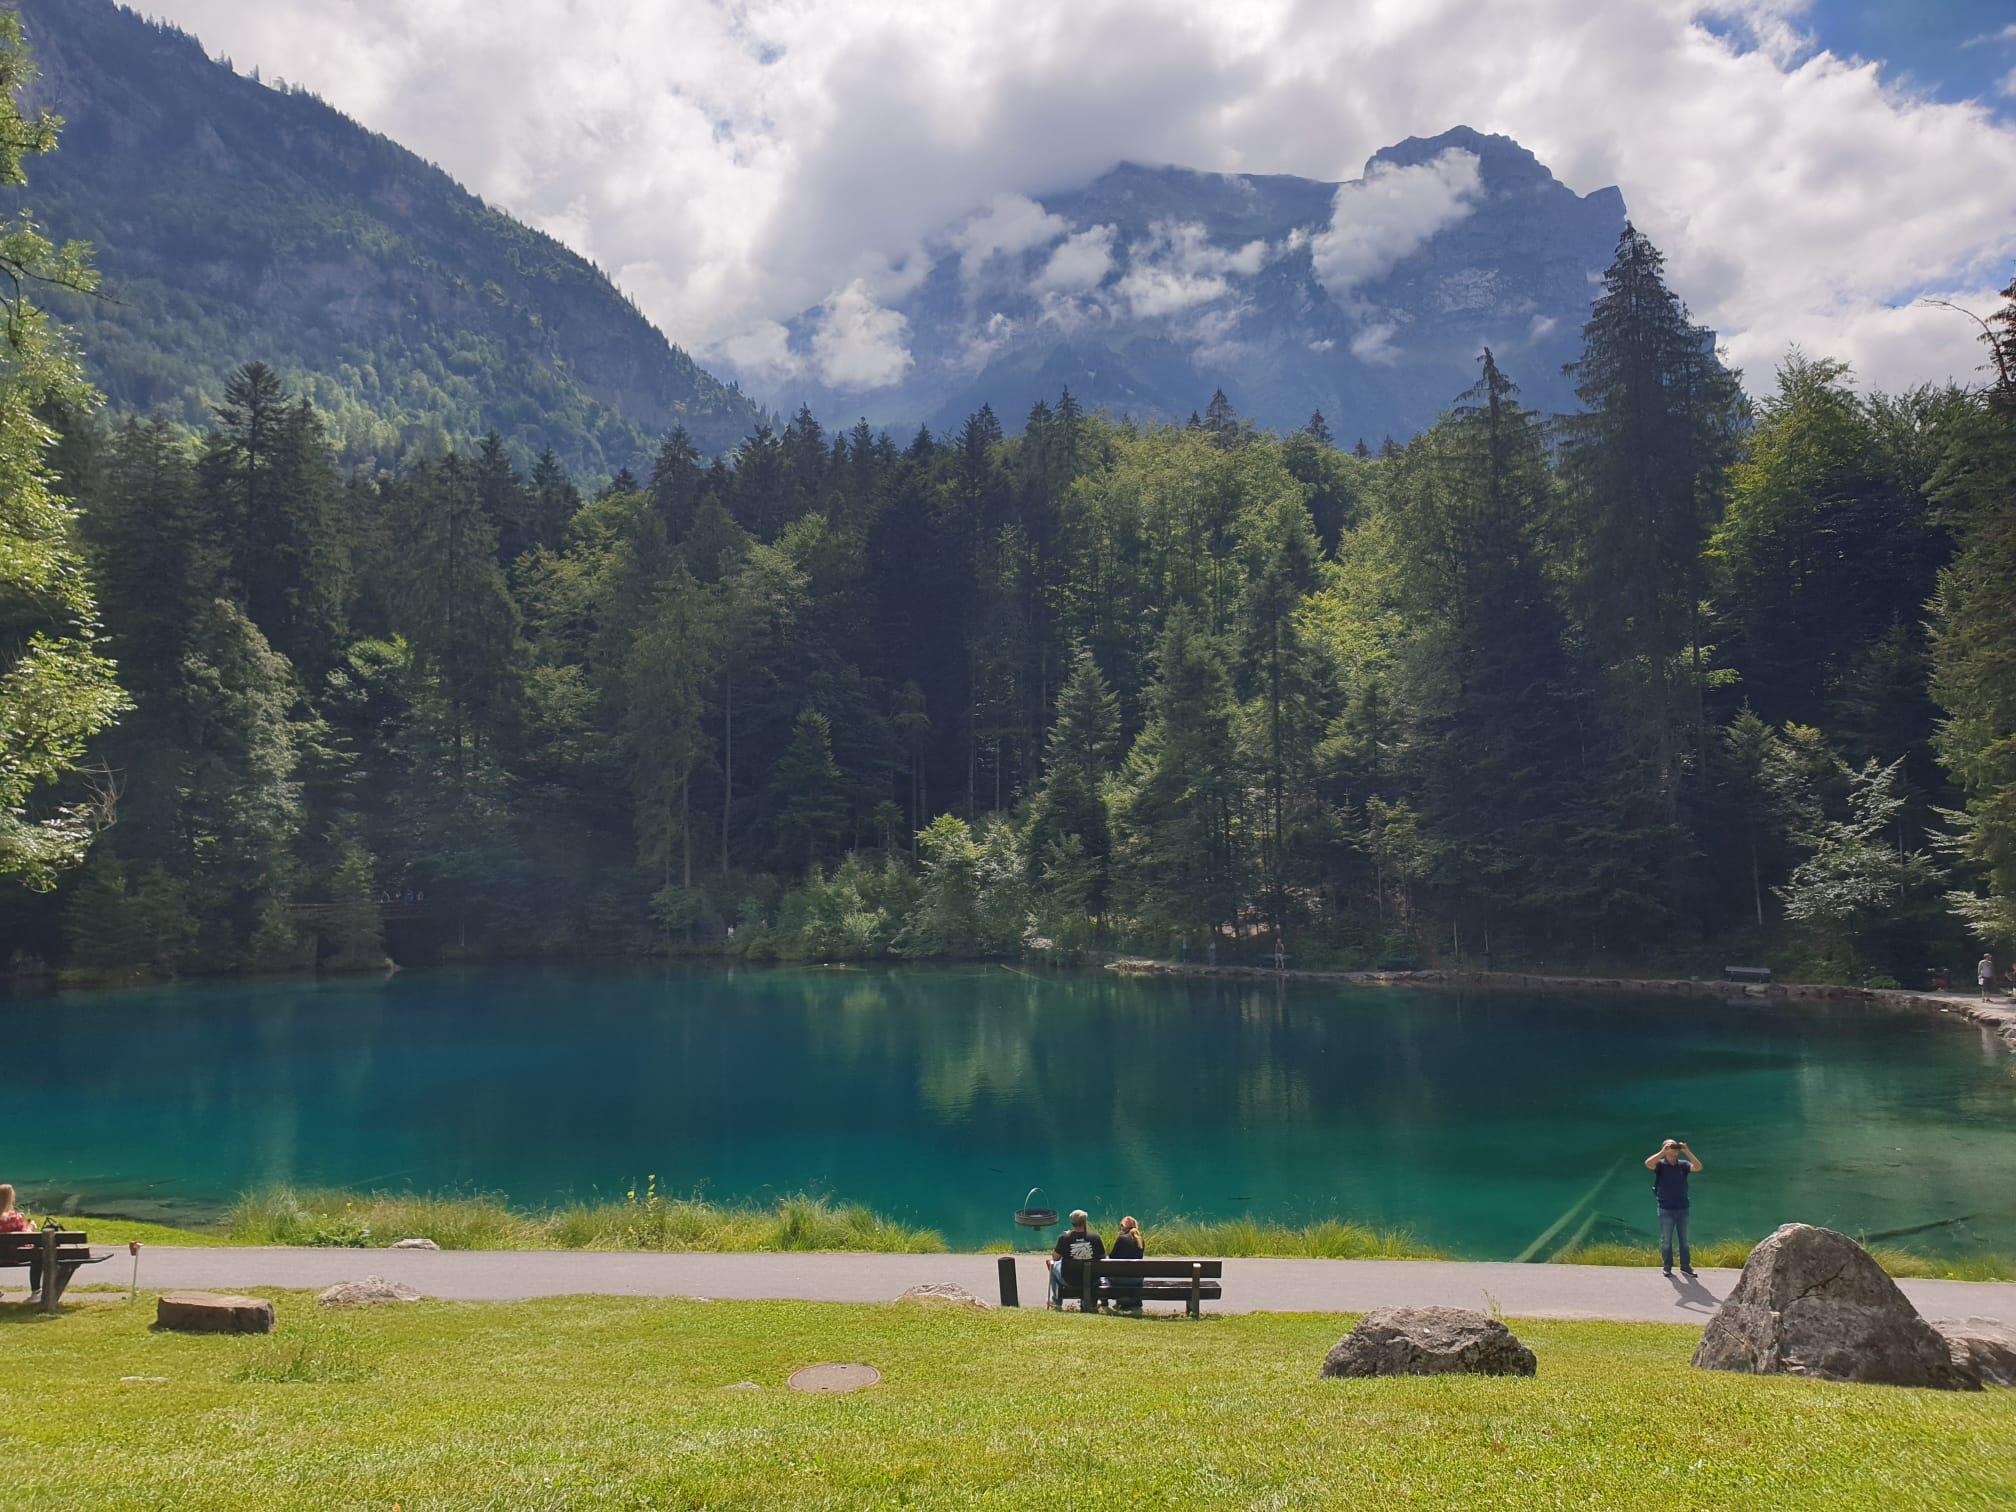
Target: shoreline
(1998, 1018)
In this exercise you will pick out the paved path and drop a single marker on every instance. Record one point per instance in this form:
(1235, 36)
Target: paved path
(1521, 1291)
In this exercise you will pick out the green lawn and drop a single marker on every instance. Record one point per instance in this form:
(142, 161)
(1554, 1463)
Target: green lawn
(612, 1402)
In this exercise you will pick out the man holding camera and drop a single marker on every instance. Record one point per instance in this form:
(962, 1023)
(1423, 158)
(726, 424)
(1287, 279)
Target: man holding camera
(1671, 1166)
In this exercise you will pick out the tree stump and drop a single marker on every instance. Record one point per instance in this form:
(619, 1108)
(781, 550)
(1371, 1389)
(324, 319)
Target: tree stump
(207, 1312)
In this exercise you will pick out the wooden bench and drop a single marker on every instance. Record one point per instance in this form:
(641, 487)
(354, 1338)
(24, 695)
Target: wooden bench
(1191, 1282)
(1746, 973)
(61, 1253)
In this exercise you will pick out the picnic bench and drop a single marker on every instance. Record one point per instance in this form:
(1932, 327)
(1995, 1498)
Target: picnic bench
(1746, 973)
(1191, 1282)
(59, 1254)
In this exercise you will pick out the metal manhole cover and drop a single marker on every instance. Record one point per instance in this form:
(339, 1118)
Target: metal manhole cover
(834, 1377)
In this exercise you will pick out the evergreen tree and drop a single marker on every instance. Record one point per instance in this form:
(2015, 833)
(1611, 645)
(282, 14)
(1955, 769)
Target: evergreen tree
(806, 803)
(1974, 639)
(1069, 807)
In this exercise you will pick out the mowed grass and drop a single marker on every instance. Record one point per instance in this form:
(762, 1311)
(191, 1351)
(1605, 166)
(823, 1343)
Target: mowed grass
(621, 1402)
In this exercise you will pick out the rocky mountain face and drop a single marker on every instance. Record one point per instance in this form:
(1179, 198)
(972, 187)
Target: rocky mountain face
(1145, 289)
(236, 221)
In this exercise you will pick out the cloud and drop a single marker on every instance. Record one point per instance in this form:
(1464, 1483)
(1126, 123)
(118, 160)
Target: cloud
(735, 163)
(1379, 219)
(1011, 223)
(857, 343)
(1177, 266)
(1081, 263)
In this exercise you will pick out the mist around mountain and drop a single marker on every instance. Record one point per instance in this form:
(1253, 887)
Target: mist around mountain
(236, 220)
(1151, 286)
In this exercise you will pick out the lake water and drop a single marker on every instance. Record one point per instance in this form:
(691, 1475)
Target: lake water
(1491, 1124)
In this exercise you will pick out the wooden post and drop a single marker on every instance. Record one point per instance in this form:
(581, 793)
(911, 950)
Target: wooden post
(1088, 1300)
(1010, 1296)
(49, 1285)
(1196, 1289)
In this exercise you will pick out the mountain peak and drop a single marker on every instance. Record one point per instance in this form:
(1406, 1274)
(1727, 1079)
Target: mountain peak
(1499, 158)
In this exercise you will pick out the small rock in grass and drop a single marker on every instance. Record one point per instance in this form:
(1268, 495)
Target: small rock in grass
(208, 1312)
(943, 1294)
(369, 1292)
(143, 1380)
(1429, 1341)
(426, 1244)
(742, 1386)
(1812, 1302)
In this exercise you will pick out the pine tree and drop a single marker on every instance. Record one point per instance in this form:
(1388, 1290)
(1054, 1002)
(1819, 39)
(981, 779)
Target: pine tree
(1974, 640)
(1069, 805)
(804, 796)
(1646, 465)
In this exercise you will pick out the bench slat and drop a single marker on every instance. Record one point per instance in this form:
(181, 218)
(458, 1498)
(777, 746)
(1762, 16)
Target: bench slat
(1163, 1269)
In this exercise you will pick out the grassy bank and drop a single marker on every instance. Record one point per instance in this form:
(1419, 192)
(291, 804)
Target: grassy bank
(652, 1220)
(644, 1220)
(621, 1402)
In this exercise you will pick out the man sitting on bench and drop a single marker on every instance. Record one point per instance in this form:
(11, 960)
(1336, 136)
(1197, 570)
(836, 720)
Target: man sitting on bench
(1075, 1246)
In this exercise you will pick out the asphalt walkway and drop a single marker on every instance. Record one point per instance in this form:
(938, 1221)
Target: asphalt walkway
(1523, 1291)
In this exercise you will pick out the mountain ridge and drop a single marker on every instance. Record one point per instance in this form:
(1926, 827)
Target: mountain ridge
(1367, 299)
(233, 220)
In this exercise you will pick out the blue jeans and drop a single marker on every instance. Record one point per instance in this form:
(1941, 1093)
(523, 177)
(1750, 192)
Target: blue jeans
(1673, 1224)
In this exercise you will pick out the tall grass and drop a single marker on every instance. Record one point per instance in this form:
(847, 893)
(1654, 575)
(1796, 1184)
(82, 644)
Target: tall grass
(1251, 1238)
(644, 1220)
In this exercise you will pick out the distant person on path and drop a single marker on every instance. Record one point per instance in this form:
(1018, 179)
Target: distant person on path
(1671, 1166)
(1127, 1245)
(1076, 1246)
(1984, 973)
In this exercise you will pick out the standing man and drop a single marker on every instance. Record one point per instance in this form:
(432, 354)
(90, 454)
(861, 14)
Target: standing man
(1076, 1247)
(1670, 1168)
(1984, 973)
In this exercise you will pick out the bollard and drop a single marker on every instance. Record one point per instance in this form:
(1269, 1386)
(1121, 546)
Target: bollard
(1010, 1297)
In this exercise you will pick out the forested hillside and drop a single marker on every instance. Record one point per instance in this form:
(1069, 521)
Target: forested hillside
(1662, 684)
(235, 218)
(1672, 678)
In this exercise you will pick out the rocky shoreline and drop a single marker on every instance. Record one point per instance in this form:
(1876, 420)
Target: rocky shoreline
(1999, 1018)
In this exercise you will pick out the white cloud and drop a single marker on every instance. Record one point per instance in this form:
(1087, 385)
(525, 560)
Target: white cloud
(1377, 220)
(1081, 262)
(736, 162)
(1011, 223)
(1177, 266)
(2009, 83)
(763, 351)
(1374, 343)
(857, 343)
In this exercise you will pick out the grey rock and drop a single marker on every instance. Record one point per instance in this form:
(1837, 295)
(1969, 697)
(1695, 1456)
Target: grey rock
(943, 1294)
(369, 1292)
(1983, 1348)
(1429, 1341)
(420, 1244)
(1812, 1302)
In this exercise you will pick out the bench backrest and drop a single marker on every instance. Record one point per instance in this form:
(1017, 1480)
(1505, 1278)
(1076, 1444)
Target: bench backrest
(28, 1244)
(1159, 1270)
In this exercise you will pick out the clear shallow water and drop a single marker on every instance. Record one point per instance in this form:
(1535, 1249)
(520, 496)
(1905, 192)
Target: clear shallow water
(1482, 1122)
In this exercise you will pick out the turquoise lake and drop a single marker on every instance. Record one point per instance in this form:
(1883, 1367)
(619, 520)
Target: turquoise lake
(1491, 1124)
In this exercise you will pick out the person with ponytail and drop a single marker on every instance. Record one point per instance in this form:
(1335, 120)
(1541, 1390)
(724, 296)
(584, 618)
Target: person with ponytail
(1127, 1245)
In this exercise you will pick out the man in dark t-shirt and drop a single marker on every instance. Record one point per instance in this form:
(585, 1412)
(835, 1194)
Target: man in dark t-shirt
(1672, 1166)
(1075, 1246)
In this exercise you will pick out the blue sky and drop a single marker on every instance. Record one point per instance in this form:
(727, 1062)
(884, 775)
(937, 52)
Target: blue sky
(1951, 49)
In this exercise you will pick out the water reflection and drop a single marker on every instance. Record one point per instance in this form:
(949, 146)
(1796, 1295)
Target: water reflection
(942, 1095)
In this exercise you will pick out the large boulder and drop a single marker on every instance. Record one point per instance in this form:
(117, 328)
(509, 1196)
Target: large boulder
(208, 1312)
(1984, 1349)
(1812, 1302)
(1428, 1341)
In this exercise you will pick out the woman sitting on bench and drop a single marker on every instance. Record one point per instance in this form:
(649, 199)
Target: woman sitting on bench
(1127, 1245)
(14, 1221)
